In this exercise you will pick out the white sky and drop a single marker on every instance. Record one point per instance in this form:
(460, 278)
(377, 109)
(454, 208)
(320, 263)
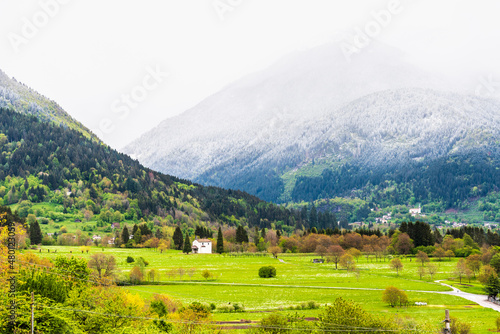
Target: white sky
(91, 52)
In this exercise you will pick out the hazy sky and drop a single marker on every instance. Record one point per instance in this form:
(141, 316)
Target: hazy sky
(106, 61)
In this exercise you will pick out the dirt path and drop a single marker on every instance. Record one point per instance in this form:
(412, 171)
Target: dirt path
(479, 299)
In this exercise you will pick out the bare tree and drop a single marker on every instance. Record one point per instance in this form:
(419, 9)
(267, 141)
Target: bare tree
(432, 269)
(422, 257)
(191, 272)
(397, 265)
(181, 271)
(460, 269)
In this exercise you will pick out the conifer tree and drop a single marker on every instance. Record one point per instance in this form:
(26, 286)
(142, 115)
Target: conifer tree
(187, 245)
(138, 236)
(220, 242)
(35, 233)
(125, 235)
(178, 238)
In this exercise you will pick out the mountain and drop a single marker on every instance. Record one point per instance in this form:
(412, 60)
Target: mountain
(59, 174)
(272, 132)
(25, 100)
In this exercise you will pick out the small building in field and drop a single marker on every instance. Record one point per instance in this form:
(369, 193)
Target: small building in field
(202, 246)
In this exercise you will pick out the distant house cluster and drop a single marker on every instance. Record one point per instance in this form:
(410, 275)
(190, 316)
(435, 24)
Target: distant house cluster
(385, 218)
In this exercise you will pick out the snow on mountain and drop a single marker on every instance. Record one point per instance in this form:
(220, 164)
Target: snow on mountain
(312, 105)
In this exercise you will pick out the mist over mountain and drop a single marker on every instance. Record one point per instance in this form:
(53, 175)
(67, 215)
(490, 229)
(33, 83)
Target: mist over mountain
(314, 111)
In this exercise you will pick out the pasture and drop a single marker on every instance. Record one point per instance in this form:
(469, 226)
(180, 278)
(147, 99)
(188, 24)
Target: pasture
(234, 279)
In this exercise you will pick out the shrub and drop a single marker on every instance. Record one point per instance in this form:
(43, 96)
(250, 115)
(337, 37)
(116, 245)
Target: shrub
(228, 308)
(310, 305)
(130, 259)
(267, 272)
(225, 309)
(142, 262)
(459, 327)
(275, 324)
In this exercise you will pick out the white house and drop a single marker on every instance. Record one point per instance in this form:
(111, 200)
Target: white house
(416, 211)
(202, 246)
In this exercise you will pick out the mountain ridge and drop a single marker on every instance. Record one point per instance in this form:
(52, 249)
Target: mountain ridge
(257, 132)
(23, 99)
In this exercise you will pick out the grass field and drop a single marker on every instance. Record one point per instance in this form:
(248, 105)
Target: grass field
(235, 280)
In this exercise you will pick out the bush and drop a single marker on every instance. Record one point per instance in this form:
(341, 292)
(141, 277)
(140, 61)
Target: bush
(225, 309)
(310, 305)
(130, 259)
(459, 327)
(141, 262)
(267, 272)
(275, 324)
(228, 308)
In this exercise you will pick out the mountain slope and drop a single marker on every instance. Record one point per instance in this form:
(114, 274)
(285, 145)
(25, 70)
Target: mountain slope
(263, 107)
(311, 112)
(23, 99)
(44, 162)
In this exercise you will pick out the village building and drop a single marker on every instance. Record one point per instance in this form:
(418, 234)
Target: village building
(202, 246)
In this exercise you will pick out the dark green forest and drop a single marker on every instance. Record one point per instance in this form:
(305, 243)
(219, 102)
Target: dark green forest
(450, 180)
(95, 177)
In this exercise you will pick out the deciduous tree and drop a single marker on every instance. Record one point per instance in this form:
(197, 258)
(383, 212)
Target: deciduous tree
(422, 257)
(394, 296)
(335, 252)
(397, 265)
(104, 265)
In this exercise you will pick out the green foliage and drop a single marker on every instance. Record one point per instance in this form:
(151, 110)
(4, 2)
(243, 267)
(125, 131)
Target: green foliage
(394, 296)
(351, 316)
(492, 286)
(274, 324)
(495, 262)
(459, 327)
(267, 272)
(206, 274)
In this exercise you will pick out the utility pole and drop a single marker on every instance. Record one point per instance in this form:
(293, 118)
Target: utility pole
(32, 313)
(447, 329)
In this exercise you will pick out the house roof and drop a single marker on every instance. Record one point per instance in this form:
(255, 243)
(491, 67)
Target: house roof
(204, 240)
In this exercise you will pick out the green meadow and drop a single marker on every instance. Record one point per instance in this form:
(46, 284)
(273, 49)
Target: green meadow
(234, 279)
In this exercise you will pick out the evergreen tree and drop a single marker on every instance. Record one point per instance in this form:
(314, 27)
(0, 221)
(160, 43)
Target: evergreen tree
(241, 235)
(220, 242)
(134, 229)
(35, 233)
(313, 216)
(138, 236)
(158, 233)
(178, 238)
(125, 235)
(187, 245)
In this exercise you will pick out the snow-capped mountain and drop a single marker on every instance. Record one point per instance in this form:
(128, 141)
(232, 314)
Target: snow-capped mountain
(314, 110)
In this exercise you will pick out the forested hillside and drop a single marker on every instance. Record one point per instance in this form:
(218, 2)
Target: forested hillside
(44, 162)
(25, 100)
